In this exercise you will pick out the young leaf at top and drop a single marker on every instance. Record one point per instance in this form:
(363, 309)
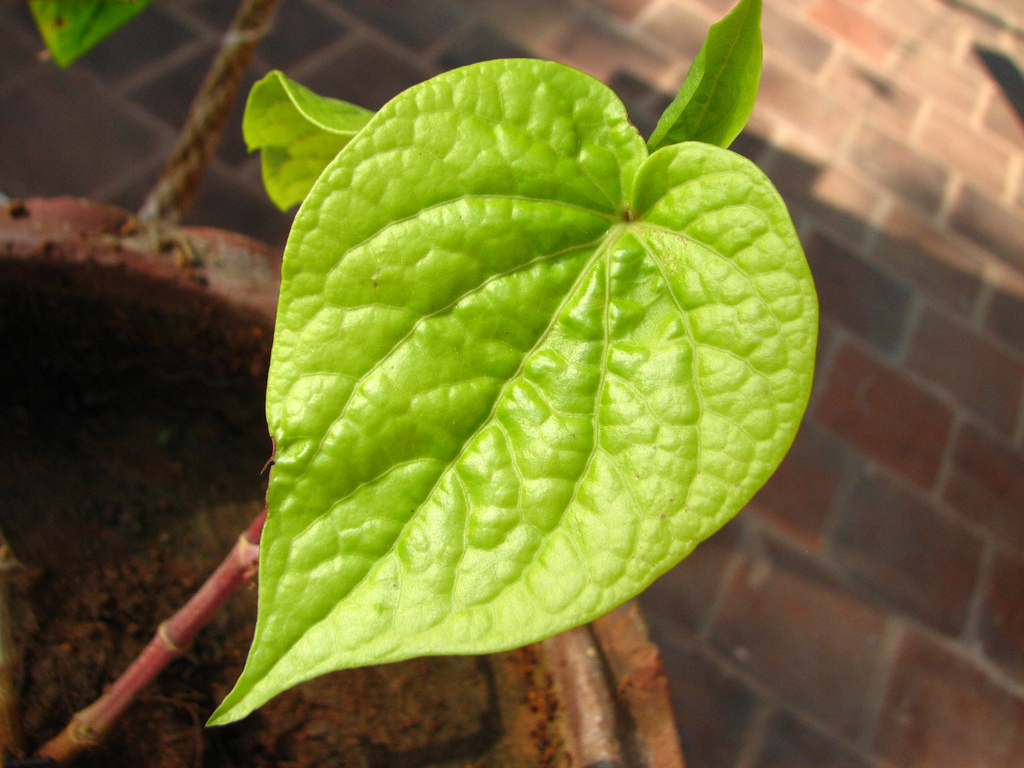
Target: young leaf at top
(717, 96)
(520, 369)
(299, 133)
(70, 28)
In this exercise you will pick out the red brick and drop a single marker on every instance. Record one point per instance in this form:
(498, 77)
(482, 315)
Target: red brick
(791, 38)
(713, 710)
(799, 496)
(1002, 618)
(982, 220)
(345, 76)
(750, 143)
(298, 31)
(678, 29)
(16, 48)
(916, 19)
(931, 74)
(797, 101)
(792, 175)
(479, 43)
(678, 602)
(62, 134)
(1008, 10)
(933, 580)
(789, 743)
(858, 296)
(892, 163)
(955, 144)
(875, 94)
(169, 94)
(600, 51)
(886, 416)
(828, 339)
(849, 24)
(986, 486)
(794, 4)
(801, 634)
(1003, 120)
(1005, 318)
(417, 24)
(831, 199)
(977, 374)
(843, 205)
(151, 37)
(526, 22)
(720, 7)
(943, 712)
(624, 9)
(940, 265)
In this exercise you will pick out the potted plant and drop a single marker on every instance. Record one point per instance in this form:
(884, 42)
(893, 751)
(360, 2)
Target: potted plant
(523, 362)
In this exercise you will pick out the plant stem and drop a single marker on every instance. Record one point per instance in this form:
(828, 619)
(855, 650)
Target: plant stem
(88, 727)
(12, 738)
(174, 191)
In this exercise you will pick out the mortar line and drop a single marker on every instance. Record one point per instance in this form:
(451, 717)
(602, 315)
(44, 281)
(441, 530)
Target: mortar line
(875, 697)
(970, 632)
(982, 303)
(911, 326)
(754, 735)
(1017, 438)
(956, 426)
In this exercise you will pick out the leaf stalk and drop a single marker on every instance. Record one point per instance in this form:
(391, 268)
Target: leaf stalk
(89, 726)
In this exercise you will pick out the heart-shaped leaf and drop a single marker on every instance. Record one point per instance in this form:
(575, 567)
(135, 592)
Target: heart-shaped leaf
(299, 133)
(520, 370)
(70, 28)
(717, 97)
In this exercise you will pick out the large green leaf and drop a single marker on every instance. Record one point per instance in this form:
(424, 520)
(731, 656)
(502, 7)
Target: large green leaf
(520, 370)
(717, 96)
(299, 133)
(71, 27)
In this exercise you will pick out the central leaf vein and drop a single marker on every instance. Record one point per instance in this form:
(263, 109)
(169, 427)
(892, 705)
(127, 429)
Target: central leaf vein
(488, 418)
(362, 379)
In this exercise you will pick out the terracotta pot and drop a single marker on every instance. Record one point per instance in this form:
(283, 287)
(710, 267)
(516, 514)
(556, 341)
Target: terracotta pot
(131, 412)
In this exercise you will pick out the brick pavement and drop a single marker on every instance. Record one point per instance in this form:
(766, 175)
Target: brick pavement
(868, 608)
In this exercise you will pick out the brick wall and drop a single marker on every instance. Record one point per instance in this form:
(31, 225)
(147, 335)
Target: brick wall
(866, 610)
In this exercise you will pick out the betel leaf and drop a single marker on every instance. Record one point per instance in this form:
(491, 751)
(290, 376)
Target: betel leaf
(299, 133)
(70, 28)
(717, 96)
(520, 370)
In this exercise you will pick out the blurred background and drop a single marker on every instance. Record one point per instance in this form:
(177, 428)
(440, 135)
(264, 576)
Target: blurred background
(867, 609)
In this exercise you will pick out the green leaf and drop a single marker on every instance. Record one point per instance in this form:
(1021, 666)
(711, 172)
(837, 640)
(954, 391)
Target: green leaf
(70, 28)
(520, 370)
(299, 133)
(717, 97)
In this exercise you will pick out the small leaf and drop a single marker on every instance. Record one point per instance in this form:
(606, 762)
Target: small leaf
(70, 28)
(717, 97)
(520, 370)
(299, 133)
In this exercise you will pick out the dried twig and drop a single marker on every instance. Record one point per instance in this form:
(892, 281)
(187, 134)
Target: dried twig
(174, 191)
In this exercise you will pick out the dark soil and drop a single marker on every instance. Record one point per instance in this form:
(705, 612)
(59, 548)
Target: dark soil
(132, 442)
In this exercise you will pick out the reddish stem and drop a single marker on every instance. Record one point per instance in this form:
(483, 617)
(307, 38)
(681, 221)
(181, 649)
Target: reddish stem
(88, 727)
